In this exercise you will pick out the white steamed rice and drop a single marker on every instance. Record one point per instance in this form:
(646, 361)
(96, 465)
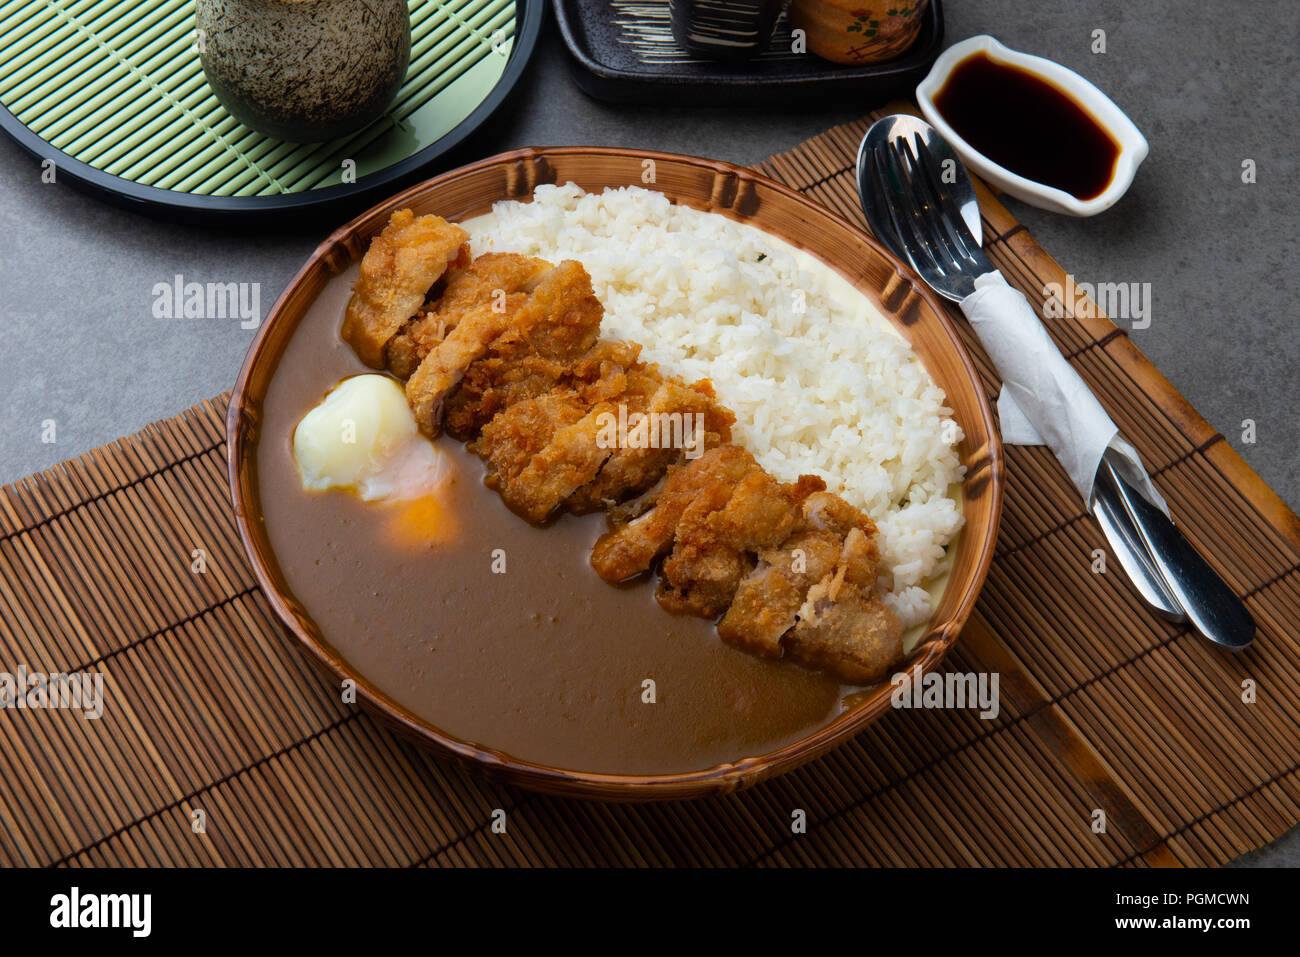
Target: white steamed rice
(820, 383)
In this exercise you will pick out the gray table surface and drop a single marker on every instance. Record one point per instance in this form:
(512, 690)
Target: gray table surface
(1209, 85)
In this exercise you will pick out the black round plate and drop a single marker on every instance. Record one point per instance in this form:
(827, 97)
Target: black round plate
(326, 201)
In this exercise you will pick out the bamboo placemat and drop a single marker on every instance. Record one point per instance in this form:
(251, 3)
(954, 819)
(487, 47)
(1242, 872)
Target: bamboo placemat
(210, 708)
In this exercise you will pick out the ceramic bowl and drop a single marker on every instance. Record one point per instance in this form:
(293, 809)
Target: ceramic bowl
(720, 188)
(1133, 146)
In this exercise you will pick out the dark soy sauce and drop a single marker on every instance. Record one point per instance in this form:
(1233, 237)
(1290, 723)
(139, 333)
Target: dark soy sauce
(1028, 125)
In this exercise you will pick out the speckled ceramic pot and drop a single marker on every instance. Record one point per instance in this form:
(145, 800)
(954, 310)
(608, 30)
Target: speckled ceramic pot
(304, 70)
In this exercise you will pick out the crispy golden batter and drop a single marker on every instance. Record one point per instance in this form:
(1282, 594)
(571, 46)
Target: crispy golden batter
(630, 471)
(700, 574)
(828, 511)
(811, 599)
(509, 442)
(398, 270)
(504, 376)
(717, 537)
(569, 460)
(574, 451)
(442, 368)
(492, 277)
(560, 317)
(854, 636)
(630, 549)
(768, 600)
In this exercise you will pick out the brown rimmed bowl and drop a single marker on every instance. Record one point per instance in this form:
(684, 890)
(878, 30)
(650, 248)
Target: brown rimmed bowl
(716, 187)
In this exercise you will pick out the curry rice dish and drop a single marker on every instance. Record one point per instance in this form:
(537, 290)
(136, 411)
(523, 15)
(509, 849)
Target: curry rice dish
(540, 658)
(517, 342)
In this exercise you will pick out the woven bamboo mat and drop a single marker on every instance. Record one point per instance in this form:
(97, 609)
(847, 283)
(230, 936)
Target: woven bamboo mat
(219, 745)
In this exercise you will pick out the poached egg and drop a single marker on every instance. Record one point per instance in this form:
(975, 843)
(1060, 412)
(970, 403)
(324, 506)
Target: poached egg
(362, 438)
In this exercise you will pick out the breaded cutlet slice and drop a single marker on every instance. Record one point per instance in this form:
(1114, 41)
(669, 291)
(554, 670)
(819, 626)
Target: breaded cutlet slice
(509, 374)
(490, 278)
(767, 602)
(510, 440)
(669, 430)
(812, 599)
(561, 316)
(853, 635)
(713, 547)
(397, 271)
(834, 538)
(629, 549)
(575, 450)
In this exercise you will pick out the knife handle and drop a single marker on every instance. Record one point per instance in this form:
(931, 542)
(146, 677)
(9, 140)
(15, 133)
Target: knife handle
(1108, 509)
(1211, 606)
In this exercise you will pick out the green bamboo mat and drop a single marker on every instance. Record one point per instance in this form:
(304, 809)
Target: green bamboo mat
(117, 84)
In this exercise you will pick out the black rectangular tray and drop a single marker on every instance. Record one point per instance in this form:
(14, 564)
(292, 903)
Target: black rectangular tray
(622, 51)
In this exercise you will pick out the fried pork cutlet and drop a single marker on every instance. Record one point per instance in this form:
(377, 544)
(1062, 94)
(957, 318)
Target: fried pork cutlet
(441, 369)
(703, 573)
(510, 440)
(397, 271)
(714, 544)
(853, 635)
(675, 412)
(492, 277)
(812, 600)
(560, 317)
(570, 459)
(630, 549)
(573, 451)
(507, 375)
(826, 510)
(768, 600)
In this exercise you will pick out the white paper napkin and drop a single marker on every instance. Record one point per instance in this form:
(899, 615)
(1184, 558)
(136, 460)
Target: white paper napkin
(1043, 400)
